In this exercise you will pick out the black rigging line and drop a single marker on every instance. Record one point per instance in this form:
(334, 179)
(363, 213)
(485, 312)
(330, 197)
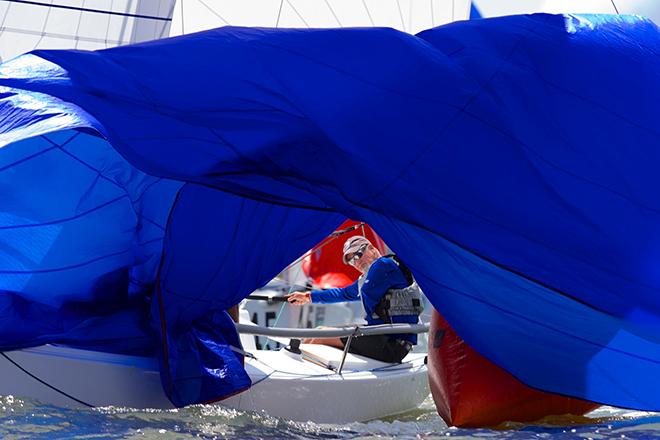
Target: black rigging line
(615, 8)
(44, 382)
(98, 11)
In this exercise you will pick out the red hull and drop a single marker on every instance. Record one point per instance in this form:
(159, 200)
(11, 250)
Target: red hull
(471, 391)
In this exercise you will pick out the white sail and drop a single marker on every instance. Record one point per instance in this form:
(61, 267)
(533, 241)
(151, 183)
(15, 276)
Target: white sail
(80, 24)
(493, 8)
(409, 16)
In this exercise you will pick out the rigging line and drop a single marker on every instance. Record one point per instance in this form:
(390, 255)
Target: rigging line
(213, 11)
(327, 2)
(615, 8)
(410, 17)
(453, 4)
(82, 9)
(43, 382)
(332, 237)
(279, 13)
(371, 20)
(182, 18)
(279, 313)
(403, 24)
(291, 287)
(432, 14)
(297, 13)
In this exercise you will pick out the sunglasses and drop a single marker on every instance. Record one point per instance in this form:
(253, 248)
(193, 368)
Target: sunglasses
(357, 255)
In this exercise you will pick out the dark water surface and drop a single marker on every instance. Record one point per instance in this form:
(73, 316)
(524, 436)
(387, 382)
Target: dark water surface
(25, 419)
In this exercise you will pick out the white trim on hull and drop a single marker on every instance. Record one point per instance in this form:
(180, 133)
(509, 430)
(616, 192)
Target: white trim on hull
(284, 385)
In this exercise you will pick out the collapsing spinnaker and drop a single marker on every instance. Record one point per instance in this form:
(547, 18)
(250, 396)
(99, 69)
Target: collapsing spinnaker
(493, 156)
(81, 234)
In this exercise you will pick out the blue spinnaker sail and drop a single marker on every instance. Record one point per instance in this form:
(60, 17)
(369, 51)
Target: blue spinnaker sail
(511, 162)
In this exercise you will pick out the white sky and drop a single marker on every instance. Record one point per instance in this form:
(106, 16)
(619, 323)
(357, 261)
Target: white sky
(407, 15)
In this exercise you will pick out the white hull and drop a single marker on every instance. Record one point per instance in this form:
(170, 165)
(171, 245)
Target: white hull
(285, 385)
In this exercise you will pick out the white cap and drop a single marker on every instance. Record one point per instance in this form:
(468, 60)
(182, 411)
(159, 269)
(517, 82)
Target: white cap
(352, 245)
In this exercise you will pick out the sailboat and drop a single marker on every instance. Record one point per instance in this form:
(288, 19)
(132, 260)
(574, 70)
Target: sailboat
(62, 374)
(355, 388)
(510, 247)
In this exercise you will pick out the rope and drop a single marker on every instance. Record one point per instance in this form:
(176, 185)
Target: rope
(279, 313)
(327, 241)
(43, 382)
(615, 8)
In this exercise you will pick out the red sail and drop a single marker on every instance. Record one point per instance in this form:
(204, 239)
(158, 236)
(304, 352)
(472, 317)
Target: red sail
(324, 264)
(471, 391)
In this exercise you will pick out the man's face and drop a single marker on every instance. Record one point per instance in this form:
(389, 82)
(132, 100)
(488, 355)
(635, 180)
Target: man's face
(363, 257)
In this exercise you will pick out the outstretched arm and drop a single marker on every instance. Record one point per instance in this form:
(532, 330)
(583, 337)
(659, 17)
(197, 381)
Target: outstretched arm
(343, 294)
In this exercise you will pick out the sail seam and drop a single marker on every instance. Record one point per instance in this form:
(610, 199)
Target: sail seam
(92, 10)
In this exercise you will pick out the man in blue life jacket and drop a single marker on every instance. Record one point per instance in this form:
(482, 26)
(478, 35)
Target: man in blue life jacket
(388, 292)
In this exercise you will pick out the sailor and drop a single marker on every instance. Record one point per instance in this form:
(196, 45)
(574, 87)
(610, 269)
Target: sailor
(388, 292)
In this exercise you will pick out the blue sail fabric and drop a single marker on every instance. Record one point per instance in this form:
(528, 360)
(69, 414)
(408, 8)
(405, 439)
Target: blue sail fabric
(511, 162)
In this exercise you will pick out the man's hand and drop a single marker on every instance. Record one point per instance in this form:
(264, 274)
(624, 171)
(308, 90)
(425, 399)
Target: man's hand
(299, 298)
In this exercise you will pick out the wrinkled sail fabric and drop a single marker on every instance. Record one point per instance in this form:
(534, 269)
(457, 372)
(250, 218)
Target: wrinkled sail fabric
(510, 162)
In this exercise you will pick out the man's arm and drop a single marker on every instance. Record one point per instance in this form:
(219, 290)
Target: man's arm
(337, 294)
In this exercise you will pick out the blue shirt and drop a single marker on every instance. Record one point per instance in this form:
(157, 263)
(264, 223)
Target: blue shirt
(383, 274)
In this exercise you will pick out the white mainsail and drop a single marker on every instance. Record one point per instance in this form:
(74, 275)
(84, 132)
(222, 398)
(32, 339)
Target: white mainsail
(647, 8)
(80, 24)
(409, 16)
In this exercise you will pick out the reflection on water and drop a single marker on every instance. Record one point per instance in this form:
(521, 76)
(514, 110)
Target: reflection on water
(25, 419)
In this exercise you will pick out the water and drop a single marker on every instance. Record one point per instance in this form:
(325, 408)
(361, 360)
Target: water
(25, 419)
